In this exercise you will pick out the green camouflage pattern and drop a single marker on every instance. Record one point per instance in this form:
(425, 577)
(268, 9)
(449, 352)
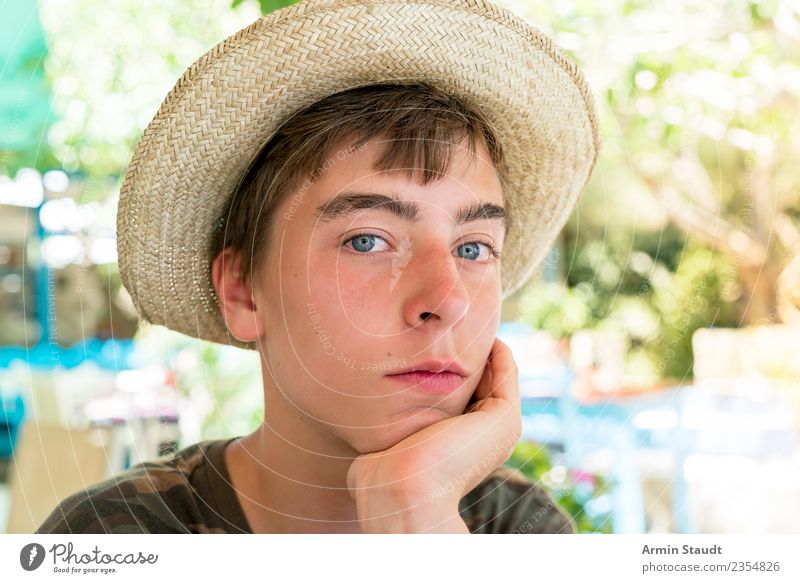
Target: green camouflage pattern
(190, 491)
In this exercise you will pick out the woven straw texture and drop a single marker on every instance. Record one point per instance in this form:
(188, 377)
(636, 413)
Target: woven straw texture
(231, 100)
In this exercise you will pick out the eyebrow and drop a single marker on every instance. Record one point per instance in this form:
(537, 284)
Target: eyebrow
(348, 202)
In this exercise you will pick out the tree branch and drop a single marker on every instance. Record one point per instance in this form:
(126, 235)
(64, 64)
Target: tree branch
(698, 221)
(691, 172)
(788, 233)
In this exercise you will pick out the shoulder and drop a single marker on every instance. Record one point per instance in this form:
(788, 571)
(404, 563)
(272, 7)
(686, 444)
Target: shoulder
(152, 497)
(507, 502)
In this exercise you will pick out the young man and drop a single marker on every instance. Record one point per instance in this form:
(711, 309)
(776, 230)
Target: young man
(321, 189)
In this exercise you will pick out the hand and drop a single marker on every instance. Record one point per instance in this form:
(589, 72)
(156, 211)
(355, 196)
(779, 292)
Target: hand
(416, 485)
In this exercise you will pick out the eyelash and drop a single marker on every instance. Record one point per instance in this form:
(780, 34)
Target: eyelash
(496, 253)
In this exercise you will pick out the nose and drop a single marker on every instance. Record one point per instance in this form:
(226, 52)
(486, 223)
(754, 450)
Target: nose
(436, 294)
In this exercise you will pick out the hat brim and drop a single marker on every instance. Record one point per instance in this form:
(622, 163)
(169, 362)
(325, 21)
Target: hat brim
(232, 99)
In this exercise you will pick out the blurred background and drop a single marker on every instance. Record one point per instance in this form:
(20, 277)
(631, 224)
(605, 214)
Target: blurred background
(658, 345)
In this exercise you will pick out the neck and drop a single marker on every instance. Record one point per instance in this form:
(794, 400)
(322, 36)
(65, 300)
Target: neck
(290, 474)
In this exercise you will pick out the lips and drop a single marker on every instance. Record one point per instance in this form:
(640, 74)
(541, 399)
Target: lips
(433, 366)
(430, 382)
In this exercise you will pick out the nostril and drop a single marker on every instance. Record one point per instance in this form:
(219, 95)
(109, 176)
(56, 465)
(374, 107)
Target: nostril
(425, 315)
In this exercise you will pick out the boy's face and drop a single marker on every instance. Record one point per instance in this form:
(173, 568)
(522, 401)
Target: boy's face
(338, 315)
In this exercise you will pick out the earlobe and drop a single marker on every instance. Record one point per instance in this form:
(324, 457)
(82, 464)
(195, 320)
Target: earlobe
(237, 305)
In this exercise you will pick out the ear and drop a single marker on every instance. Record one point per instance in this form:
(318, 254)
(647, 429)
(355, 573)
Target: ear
(239, 310)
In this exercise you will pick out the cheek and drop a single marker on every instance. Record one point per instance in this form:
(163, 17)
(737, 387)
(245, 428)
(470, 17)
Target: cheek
(352, 301)
(357, 298)
(319, 349)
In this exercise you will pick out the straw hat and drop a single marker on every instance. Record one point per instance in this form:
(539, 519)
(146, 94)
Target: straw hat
(230, 101)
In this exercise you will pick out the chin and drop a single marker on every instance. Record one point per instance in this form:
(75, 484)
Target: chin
(396, 429)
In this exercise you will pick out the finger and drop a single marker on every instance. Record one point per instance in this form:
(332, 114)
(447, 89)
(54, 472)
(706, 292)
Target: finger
(505, 374)
(484, 388)
(475, 398)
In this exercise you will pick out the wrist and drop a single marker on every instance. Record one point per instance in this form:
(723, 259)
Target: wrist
(397, 513)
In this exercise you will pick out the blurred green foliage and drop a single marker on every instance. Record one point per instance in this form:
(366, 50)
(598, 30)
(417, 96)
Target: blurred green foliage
(656, 296)
(583, 496)
(223, 384)
(267, 5)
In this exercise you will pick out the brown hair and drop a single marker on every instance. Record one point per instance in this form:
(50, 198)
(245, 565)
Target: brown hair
(421, 122)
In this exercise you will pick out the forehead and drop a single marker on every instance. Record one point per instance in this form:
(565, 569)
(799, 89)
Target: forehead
(468, 176)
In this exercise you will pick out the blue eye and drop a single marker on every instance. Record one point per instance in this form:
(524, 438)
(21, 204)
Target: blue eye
(366, 243)
(471, 250)
(363, 243)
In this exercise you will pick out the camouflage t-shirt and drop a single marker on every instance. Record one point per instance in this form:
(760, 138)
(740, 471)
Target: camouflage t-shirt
(190, 491)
